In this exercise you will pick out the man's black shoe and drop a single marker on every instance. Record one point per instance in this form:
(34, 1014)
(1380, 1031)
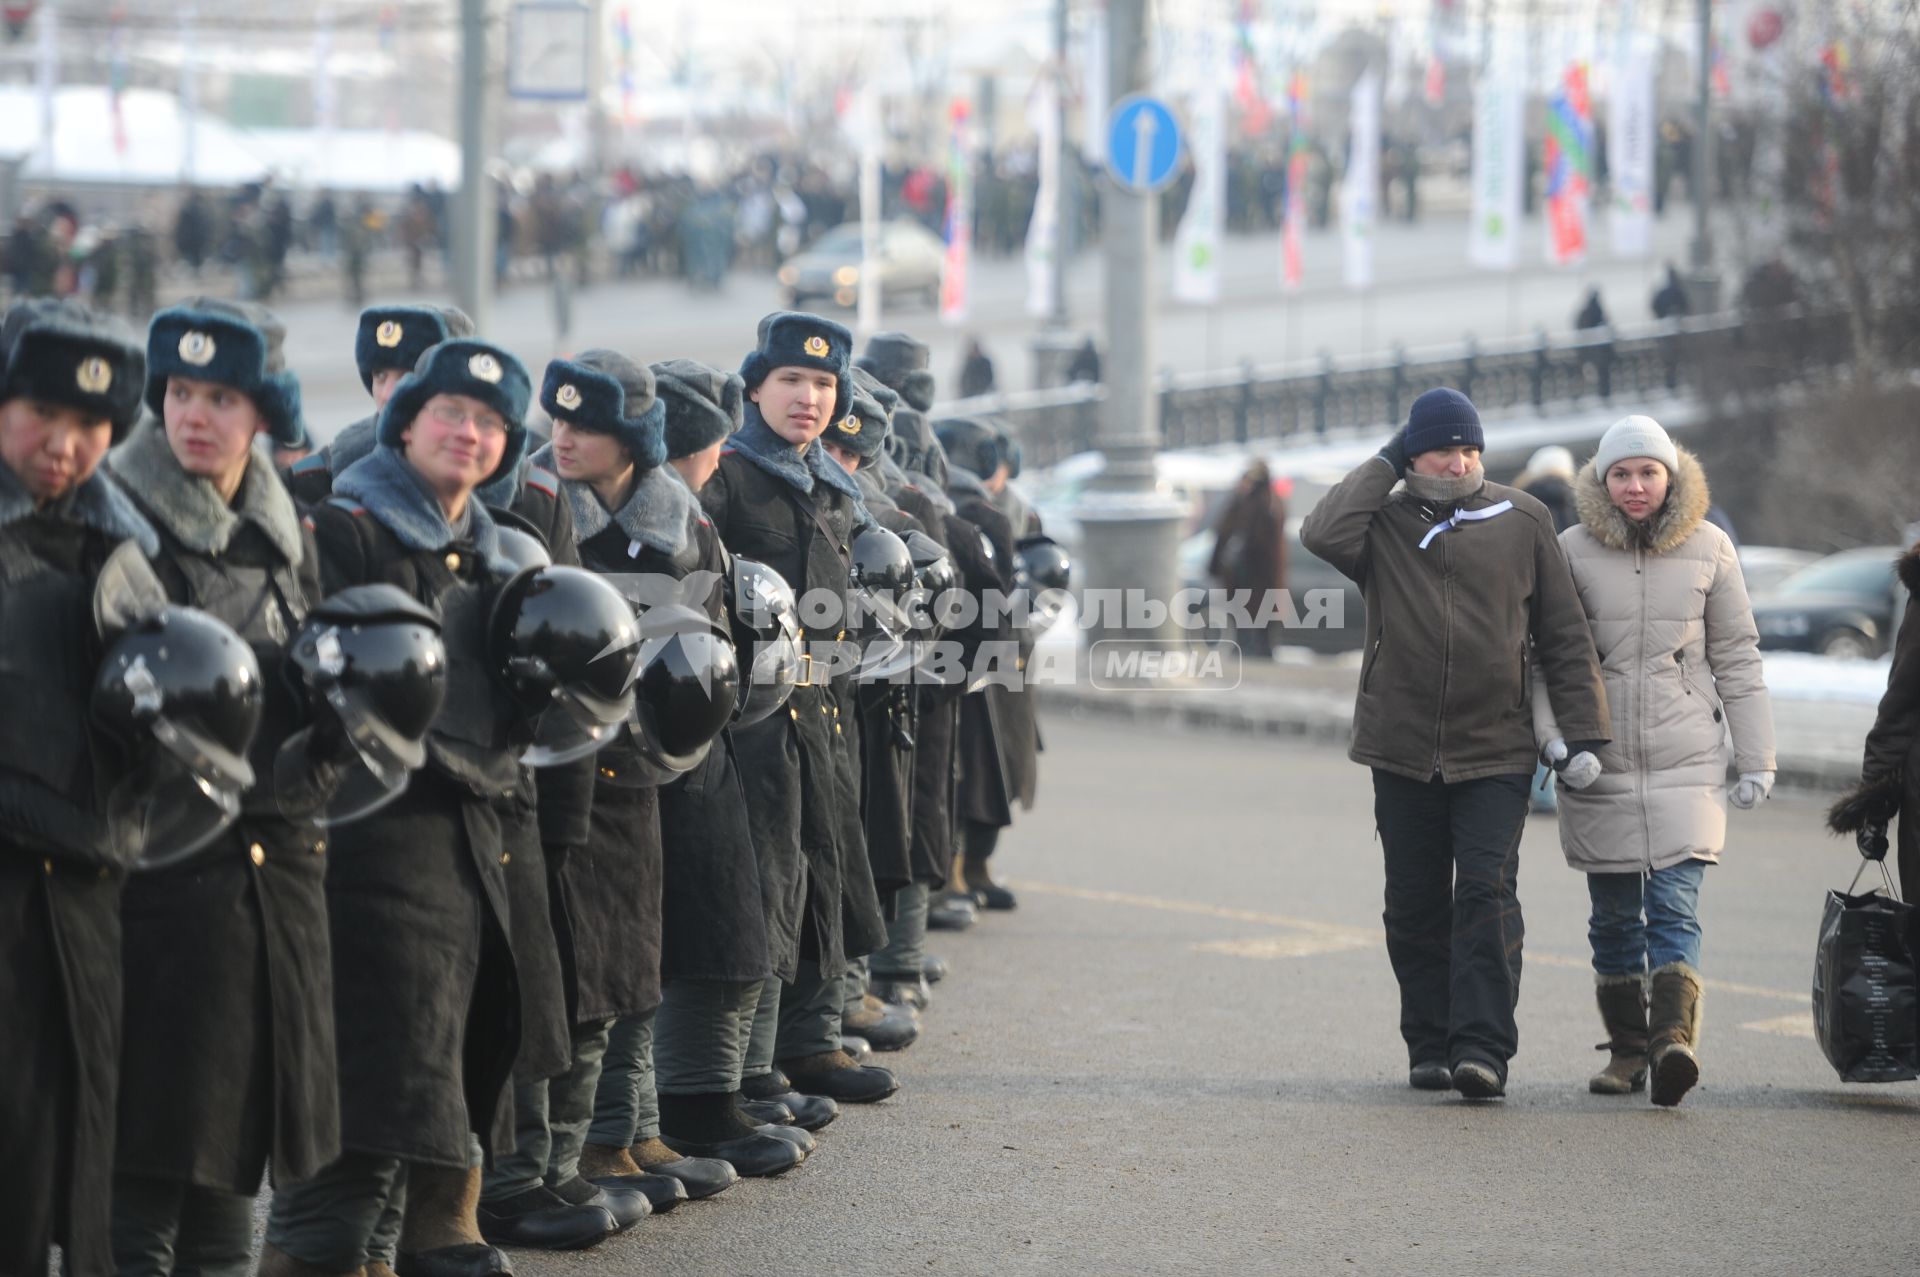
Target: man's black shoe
(933, 969)
(1477, 1081)
(541, 1220)
(810, 1112)
(901, 990)
(1430, 1077)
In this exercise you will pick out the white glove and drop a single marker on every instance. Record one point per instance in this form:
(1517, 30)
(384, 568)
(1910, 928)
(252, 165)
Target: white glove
(1576, 772)
(1752, 789)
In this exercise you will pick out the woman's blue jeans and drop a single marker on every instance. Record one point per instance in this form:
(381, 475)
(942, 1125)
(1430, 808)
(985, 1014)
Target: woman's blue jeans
(1644, 921)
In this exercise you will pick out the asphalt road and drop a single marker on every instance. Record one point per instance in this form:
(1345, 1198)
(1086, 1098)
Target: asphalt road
(1426, 295)
(1180, 1055)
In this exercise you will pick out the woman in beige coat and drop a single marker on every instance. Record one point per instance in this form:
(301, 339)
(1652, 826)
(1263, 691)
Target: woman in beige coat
(1663, 592)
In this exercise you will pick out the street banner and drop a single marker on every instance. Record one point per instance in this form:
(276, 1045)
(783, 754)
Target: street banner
(1631, 129)
(1499, 152)
(1360, 193)
(1196, 242)
(1293, 224)
(959, 221)
(1567, 161)
(1043, 227)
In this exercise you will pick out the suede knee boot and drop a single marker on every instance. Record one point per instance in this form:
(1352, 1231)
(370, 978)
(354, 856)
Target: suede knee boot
(1674, 1019)
(1623, 1009)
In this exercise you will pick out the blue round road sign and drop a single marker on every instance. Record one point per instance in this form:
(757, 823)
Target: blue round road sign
(1143, 143)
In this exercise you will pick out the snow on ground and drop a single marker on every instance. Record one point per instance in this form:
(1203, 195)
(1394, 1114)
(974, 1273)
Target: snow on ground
(1802, 676)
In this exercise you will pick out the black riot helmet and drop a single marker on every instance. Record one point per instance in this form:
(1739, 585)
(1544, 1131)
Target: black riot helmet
(181, 691)
(881, 577)
(1043, 572)
(520, 543)
(561, 640)
(766, 637)
(933, 577)
(369, 664)
(684, 697)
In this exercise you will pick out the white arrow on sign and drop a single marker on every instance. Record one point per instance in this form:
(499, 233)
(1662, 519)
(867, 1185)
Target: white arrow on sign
(1144, 127)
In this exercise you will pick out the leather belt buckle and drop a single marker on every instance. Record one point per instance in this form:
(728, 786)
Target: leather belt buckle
(806, 671)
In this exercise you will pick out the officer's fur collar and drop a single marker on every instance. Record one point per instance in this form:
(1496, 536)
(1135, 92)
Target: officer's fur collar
(98, 503)
(661, 513)
(351, 444)
(189, 508)
(1688, 500)
(393, 493)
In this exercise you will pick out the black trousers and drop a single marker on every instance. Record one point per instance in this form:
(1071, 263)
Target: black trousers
(1453, 912)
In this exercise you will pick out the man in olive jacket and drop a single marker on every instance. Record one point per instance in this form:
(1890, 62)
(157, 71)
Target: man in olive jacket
(1463, 578)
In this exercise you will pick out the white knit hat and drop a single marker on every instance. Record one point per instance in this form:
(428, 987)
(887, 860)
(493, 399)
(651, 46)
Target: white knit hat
(1635, 436)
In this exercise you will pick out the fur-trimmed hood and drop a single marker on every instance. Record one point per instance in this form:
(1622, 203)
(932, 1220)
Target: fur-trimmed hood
(1688, 500)
(1909, 568)
(189, 508)
(98, 503)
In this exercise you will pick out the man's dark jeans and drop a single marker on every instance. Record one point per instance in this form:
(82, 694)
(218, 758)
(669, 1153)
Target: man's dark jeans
(1453, 915)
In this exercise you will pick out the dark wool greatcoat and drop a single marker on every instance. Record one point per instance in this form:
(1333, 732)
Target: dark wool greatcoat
(228, 1042)
(795, 766)
(425, 988)
(59, 888)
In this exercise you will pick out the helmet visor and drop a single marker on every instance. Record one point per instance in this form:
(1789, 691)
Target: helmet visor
(163, 812)
(573, 726)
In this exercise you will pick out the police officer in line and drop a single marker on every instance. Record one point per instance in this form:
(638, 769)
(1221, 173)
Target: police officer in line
(423, 965)
(997, 734)
(715, 906)
(70, 384)
(778, 499)
(915, 468)
(228, 1040)
(387, 343)
(885, 723)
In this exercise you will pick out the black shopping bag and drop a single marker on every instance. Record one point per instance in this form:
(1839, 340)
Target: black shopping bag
(1865, 994)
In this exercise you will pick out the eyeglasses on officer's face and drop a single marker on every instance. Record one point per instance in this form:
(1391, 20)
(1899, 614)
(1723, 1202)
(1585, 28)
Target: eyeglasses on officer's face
(449, 414)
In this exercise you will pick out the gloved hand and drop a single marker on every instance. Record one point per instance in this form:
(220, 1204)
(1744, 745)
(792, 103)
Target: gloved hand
(1394, 453)
(1578, 764)
(1752, 789)
(1872, 841)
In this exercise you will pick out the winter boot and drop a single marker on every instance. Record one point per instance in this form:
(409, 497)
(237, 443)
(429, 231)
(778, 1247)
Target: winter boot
(810, 1112)
(1623, 1010)
(986, 893)
(1675, 1022)
(707, 1125)
(884, 1026)
(835, 1075)
(275, 1262)
(441, 1235)
(700, 1176)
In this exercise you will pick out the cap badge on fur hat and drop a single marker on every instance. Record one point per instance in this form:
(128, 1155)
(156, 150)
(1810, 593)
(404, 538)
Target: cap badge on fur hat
(93, 376)
(389, 334)
(197, 348)
(850, 425)
(568, 396)
(816, 346)
(486, 368)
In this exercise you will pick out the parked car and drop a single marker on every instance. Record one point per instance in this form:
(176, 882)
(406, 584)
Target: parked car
(909, 263)
(1842, 606)
(1766, 566)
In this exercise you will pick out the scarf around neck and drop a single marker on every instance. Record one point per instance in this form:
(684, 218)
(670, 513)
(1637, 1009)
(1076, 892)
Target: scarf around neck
(756, 441)
(1445, 489)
